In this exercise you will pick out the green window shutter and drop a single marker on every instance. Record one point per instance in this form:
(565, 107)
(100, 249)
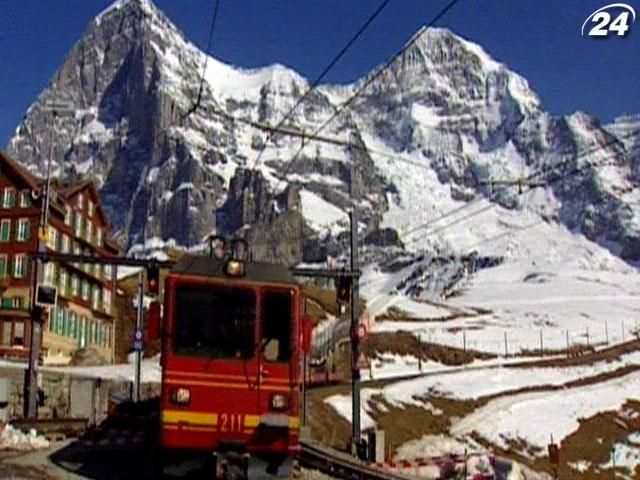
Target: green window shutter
(9, 198)
(5, 230)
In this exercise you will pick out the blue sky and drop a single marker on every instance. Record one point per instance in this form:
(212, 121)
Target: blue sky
(539, 39)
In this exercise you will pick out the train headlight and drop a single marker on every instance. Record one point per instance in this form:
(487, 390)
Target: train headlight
(180, 396)
(279, 402)
(234, 268)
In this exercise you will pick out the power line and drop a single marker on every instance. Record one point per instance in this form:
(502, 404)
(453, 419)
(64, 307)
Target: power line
(529, 178)
(305, 136)
(504, 234)
(575, 171)
(373, 77)
(196, 105)
(326, 70)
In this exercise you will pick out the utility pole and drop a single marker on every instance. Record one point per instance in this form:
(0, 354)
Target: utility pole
(30, 405)
(355, 340)
(137, 340)
(305, 356)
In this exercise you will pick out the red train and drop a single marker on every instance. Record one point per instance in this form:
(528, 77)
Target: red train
(233, 335)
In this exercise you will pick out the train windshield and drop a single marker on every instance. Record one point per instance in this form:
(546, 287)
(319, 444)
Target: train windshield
(214, 322)
(276, 326)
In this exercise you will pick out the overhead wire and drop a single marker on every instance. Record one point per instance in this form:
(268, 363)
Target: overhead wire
(347, 103)
(320, 77)
(563, 176)
(528, 178)
(196, 105)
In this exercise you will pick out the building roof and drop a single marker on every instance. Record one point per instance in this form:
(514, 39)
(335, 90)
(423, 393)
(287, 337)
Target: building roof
(19, 171)
(209, 267)
(62, 191)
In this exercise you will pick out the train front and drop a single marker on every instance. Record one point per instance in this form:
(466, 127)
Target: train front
(230, 361)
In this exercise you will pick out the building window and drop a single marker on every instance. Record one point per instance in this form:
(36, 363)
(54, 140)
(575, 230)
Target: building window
(52, 238)
(67, 215)
(23, 229)
(50, 273)
(107, 271)
(4, 265)
(5, 230)
(25, 198)
(18, 333)
(85, 290)
(20, 266)
(99, 237)
(73, 320)
(90, 328)
(90, 208)
(74, 285)
(95, 297)
(80, 201)
(106, 300)
(62, 284)
(89, 232)
(6, 333)
(78, 224)
(81, 330)
(9, 198)
(65, 243)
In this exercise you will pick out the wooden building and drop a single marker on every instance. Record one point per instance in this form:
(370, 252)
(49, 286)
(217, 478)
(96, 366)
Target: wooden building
(83, 315)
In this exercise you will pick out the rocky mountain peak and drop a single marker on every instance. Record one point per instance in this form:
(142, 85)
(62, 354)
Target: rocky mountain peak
(172, 173)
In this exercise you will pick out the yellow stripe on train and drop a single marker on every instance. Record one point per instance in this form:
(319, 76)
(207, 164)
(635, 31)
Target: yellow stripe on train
(240, 386)
(198, 418)
(211, 419)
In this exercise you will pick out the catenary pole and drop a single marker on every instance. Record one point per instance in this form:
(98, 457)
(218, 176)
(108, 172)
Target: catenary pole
(355, 341)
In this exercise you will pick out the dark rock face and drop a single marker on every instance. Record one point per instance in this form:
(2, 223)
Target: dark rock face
(171, 170)
(385, 237)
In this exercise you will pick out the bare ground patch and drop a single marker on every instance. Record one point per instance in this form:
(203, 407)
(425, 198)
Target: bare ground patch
(405, 343)
(591, 443)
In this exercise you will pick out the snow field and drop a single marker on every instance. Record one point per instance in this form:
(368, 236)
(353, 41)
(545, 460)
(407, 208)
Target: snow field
(533, 417)
(14, 439)
(471, 383)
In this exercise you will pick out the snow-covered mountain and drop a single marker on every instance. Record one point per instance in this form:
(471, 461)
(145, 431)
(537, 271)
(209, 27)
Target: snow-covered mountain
(443, 119)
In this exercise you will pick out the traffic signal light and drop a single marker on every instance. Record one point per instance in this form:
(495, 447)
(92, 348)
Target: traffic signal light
(343, 293)
(153, 279)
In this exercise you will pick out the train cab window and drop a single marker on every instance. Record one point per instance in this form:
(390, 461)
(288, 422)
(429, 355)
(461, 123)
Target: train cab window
(214, 322)
(276, 326)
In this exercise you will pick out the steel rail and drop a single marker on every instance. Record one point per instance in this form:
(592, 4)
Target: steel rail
(341, 465)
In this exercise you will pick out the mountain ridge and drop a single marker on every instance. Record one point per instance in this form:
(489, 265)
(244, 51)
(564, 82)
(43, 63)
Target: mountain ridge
(445, 104)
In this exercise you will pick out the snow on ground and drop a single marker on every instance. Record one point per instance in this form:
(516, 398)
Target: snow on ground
(580, 466)
(625, 455)
(534, 416)
(14, 439)
(426, 116)
(435, 445)
(125, 372)
(471, 383)
(342, 405)
(320, 213)
(389, 365)
(554, 282)
(151, 371)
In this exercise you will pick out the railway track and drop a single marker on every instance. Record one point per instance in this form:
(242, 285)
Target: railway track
(340, 465)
